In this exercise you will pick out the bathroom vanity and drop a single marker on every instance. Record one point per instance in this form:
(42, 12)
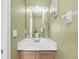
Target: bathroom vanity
(36, 48)
(41, 54)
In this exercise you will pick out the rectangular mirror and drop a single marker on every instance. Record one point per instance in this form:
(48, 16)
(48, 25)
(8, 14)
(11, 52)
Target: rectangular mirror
(37, 18)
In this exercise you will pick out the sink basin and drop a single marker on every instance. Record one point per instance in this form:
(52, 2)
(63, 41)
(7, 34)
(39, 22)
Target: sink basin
(37, 44)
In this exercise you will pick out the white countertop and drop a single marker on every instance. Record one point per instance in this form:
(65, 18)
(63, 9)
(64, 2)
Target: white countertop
(37, 44)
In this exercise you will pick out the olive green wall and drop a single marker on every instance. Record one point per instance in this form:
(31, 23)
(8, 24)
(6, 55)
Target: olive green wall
(18, 23)
(63, 33)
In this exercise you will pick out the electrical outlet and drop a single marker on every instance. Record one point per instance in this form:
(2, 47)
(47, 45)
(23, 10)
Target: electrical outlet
(14, 33)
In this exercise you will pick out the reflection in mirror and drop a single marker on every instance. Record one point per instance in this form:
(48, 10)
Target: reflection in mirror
(37, 21)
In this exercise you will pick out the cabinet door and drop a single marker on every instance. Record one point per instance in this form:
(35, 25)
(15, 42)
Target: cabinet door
(45, 55)
(27, 55)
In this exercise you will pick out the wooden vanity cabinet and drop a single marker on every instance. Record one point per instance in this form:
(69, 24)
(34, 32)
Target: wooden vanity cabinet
(36, 54)
(45, 55)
